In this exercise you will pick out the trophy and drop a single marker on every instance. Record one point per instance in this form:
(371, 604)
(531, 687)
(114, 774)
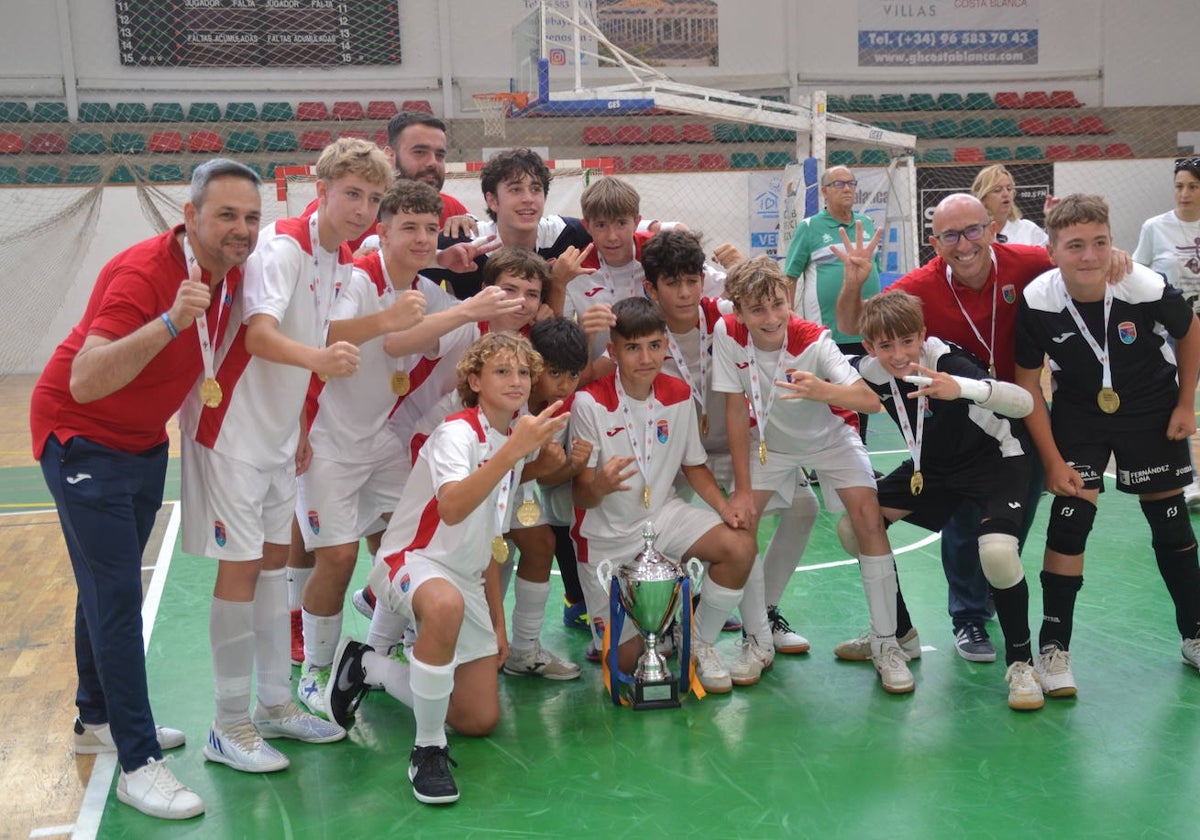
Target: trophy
(648, 590)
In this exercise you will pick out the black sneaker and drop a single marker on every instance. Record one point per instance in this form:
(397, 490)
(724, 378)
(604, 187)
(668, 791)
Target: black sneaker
(347, 682)
(973, 643)
(429, 772)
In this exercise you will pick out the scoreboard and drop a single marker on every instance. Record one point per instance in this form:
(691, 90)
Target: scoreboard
(258, 33)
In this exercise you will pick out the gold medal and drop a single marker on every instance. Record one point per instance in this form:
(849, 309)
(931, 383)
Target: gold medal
(1108, 400)
(762, 452)
(528, 513)
(210, 393)
(917, 483)
(646, 497)
(400, 383)
(703, 425)
(499, 550)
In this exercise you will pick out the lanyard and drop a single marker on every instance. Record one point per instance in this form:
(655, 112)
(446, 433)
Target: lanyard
(989, 347)
(322, 305)
(763, 409)
(501, 513)
(914, 441)
(1101, 353)
(699, 390)
(642, 448)
(202, 332)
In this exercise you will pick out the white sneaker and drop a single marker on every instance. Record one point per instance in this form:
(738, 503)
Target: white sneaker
(751, 661)
(1190, 650)
(242, 747)
(93, 740)
(311, 688)
(1191, 495)
(892, 664)
(710, 670)
(1024, 690)
(539, 662)
(1054, 672)
(859, 650)
(154, 790)
(362, 604)
(287, 720)
(786, 640)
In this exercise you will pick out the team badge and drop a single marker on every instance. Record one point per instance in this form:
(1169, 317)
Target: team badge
(1127, 331)
(664, 431)
(314, 522)
(337, 289)
(1010, 293)
(219, 532)
(405, 582)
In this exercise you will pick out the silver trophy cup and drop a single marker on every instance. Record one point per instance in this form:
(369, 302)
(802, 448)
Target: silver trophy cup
(648, 587)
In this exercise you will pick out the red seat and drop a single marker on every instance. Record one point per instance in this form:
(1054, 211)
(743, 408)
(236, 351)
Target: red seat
(416, 105)
(968, 154)
(11, 143)
(1061, 125)
(1008, 99)
(315, 141)
(310, 111)
(1093, 125)
(1118, 150)
(1064, 99)
(165, 141)
(1036, 99)
(630, 134)
(1059, 153)
(381, 138)
(644, 163)
(47, 143)
(347, 111)
(381, 109)
(695, 133)
(1033, 126)
(597, 135)
(711, 160)
(663, 134)
(1088, 151)
(205, 141)
(357, 135)
(618, 163)
(677, 163)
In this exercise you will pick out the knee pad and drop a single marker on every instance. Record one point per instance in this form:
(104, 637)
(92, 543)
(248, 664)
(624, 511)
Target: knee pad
(1070, 523)
(1170, 524)
(845, 532)
(1000, 560)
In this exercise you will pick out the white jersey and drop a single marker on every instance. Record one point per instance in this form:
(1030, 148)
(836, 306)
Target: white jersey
(690, 344)
(797, 427)
(1171, 246)
(596, 417)
(258, 421)
(1023, 232)
(458, 447)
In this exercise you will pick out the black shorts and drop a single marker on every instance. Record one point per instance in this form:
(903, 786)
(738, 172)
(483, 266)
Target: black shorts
(1146, 461)
(999, 486)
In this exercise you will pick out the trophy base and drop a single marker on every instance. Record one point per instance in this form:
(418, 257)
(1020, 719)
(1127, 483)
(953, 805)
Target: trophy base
(663, 694)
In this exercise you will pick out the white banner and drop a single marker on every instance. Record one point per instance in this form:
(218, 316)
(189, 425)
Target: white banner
(963, 32)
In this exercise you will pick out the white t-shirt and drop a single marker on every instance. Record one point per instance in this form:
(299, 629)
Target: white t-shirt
(1171, 246)
(1023, 232)
(798, 427)
(690, 344)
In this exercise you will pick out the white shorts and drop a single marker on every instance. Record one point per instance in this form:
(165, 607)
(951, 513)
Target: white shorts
(476, 636)
(678, 524)
(844, 464)
(337, 503)
(231, 508)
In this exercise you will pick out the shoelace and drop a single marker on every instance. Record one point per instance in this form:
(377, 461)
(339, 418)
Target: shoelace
(975, 634)
(162, 779)
(893, 657)
(778, 623)
(435, 760)
(1058, 662)
(244, 734)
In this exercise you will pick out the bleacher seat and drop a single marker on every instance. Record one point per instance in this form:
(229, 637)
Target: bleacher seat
(131, 112)
(242, 141)
(777, 159)
(128, 142)
(1092, 125)
(121, 175)
(280, 141)
(11, 143)
(43, 174)
(50, 112)
(422, 105)
(922, 102)
(353, 134)
(166, 173)
(1064, 99)
(643, 163)
(166, 112)
(1059, 152)
(1027, 153)
(84, 173)
(257, 168)
(766, 134)
(597, 135)
(945, 128)
(744, 160)
(951, 102)
(86, 143)
(917, 128)
(10, 175)
(241, 112)
(1061, 125)
(663, 134)
(15, 112)
(381, 109)
(630, 135)
(277, 112)
(968, 154)
(347, 110)
(315, 141)
(381, 138)
(979, 100)
(1035, 99)
(862, 102)
(93, 112)
(275, 164)
(165, 142)
(618, 163)
(677, 162)
(886, 125)
(1118, 150)
(974, 127)
(842, 157)
(695, 133)
(836, 103)
(1008, 99)
(998, 153)
(937, 155)
(1004, 127)
(1088, 151)
(728, 133)
(711, 161)
(874, 157)
(46, 143)
(205, 141)
(1033, 126)
(892, 102)
(312, 111)
(204, 112)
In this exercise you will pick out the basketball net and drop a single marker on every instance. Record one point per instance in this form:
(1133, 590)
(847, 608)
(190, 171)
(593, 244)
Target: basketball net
(494, 107)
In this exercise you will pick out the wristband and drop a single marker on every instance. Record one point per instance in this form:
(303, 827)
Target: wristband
(171, 328)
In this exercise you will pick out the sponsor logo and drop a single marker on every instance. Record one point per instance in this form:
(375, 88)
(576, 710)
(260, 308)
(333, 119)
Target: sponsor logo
(1059, 339)
(742, 365)
(663, 430)
(314, 522)
(1132, 477)
(593, 292)
(614, 432)
(1127, 332)
(219, 532)
(1015, 505)
(78, 477)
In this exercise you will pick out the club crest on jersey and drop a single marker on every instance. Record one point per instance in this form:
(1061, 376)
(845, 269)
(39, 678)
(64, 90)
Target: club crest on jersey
(664, 431)
(219, 532)
(405, 582)
(314, 522)
(1127, 331)
(337, 289)
(1010, 293)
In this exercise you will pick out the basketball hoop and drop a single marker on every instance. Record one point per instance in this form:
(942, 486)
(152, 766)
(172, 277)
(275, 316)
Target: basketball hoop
(495, 108)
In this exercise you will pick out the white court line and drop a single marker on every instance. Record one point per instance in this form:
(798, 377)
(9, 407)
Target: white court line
(87, 824)
(51, 831)
(27, 512)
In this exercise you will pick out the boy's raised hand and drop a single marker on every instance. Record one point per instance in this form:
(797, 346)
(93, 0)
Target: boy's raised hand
(533, 431)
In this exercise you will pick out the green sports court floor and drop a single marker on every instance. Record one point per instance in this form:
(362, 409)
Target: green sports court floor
(817, 749)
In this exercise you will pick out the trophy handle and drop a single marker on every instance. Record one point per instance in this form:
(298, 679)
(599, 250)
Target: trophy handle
(604, 573)
(695, 570)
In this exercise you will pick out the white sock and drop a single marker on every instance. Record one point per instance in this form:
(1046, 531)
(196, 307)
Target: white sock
(753, 607)
(387, 627)
(879, 583)
(231, 633)
(296, 579)
(272, 638)
(788, 544)
(431, 687)
(716, 603)
(506, 572)
(321, 635)
(395, 676)
(529, 612)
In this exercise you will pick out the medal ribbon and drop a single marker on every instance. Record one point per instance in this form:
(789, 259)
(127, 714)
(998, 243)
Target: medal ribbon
(990, 348)
(643, 448)
(700, 391)
(323, 309)
(501, 517)
(1101, 353)
(202, 332)
(761, 409)
(914, 441)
